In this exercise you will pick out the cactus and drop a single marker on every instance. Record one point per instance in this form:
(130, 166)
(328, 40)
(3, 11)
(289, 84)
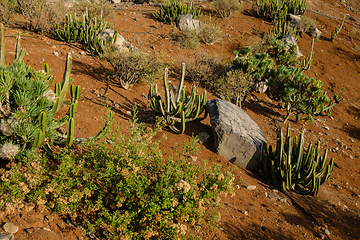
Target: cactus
(27, 106)
(290, 167)
(169, 13)
(306, 62)
(177, 108)
(85, 30)
(277, 10)
(337, 30)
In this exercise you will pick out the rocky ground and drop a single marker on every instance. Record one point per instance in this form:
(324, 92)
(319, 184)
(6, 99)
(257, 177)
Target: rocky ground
(257, 211)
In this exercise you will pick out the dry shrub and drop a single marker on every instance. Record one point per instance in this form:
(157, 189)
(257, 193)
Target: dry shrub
(188, 39)
(95, 7)
(42, 14)
(306, 25)
(130, 67)
(204, 70)
(7, 10)
(226, 8)
(210, 33)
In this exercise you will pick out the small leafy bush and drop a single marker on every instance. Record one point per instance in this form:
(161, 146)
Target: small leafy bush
(291, 167)
(209, 33)
(188, 39)
(234, 86)
(297, 93)
(129, 192)
(130, 67)
(226, 8)
(175, 8)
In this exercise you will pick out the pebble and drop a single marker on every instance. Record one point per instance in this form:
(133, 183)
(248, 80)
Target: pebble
(327, 232)
(251, 187)
(56, 54)
(203, 137)
(327, 128)
(245, 213)
(10, 228)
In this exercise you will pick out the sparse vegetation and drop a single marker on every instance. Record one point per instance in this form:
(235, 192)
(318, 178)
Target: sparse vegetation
(130, 67)
(306, 25)
(226, 8)
(188, 39)
(209, 32)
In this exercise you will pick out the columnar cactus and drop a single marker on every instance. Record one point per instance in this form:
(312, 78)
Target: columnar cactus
(27, 106)
(290, 167)
(177, 108)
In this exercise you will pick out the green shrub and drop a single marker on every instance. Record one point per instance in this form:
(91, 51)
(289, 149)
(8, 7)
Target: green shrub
(290, 167)
(28, 106)
(209, 33)
(234, 86)
(130, 192)
(306, 25)
(297, 93)
(175, 8)
(130, 67)
(188, 39)
(226, 8)
(277, 10)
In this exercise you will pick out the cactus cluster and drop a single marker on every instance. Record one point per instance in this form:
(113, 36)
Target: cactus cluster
(278, 9)
(85, 30)
(28, 106)
(290, 167)
(175, 8)
(177, 107)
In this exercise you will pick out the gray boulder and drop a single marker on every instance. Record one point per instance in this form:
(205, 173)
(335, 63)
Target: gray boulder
(186, 21)
(120, 45)
(238, 138)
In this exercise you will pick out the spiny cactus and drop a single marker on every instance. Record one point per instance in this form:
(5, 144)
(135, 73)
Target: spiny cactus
(177, 108)
(85, 30)
(27, 106)
(337, 30)
(174, 8)
(306, 62)
(290, 167)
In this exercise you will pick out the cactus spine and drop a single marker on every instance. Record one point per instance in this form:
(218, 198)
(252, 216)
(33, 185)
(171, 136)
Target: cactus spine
(177, 108)
(291, 168)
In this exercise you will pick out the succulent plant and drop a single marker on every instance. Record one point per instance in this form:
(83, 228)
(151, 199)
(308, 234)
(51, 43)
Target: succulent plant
(177, 107)
(290, 167)
(306, 62)
(27, 106)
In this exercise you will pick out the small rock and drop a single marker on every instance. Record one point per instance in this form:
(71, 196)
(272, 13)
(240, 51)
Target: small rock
(56, 54)
(327, 232)
(251, 187)
(128, 112)
(194, 158)
(203, 137)
(83, 53)
(327, 128)
(246, 213)
(10, 228)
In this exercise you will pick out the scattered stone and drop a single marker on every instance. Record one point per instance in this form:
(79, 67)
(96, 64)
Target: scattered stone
(56, 54)
(327, 232)
(83, 53)
(203, 137)
(327, 128)
(246, 213)
(251, 187)
(10, 228)
(128, 112)
(186, 21)
(194, 158)
(121, 44)
(237, 138)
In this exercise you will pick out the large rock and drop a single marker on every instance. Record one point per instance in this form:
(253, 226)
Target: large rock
(290, 39)
(121, 44)
(186, 21)
(238, 138)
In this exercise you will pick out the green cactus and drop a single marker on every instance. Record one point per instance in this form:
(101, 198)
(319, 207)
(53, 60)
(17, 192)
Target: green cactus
(291, 168)
(337, 30)
(169, 12)
(306, 62)
(277, 10)
(177, 108)
(27, 106)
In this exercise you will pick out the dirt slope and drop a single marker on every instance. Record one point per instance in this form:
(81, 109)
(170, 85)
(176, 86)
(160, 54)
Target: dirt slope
(262, 213)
